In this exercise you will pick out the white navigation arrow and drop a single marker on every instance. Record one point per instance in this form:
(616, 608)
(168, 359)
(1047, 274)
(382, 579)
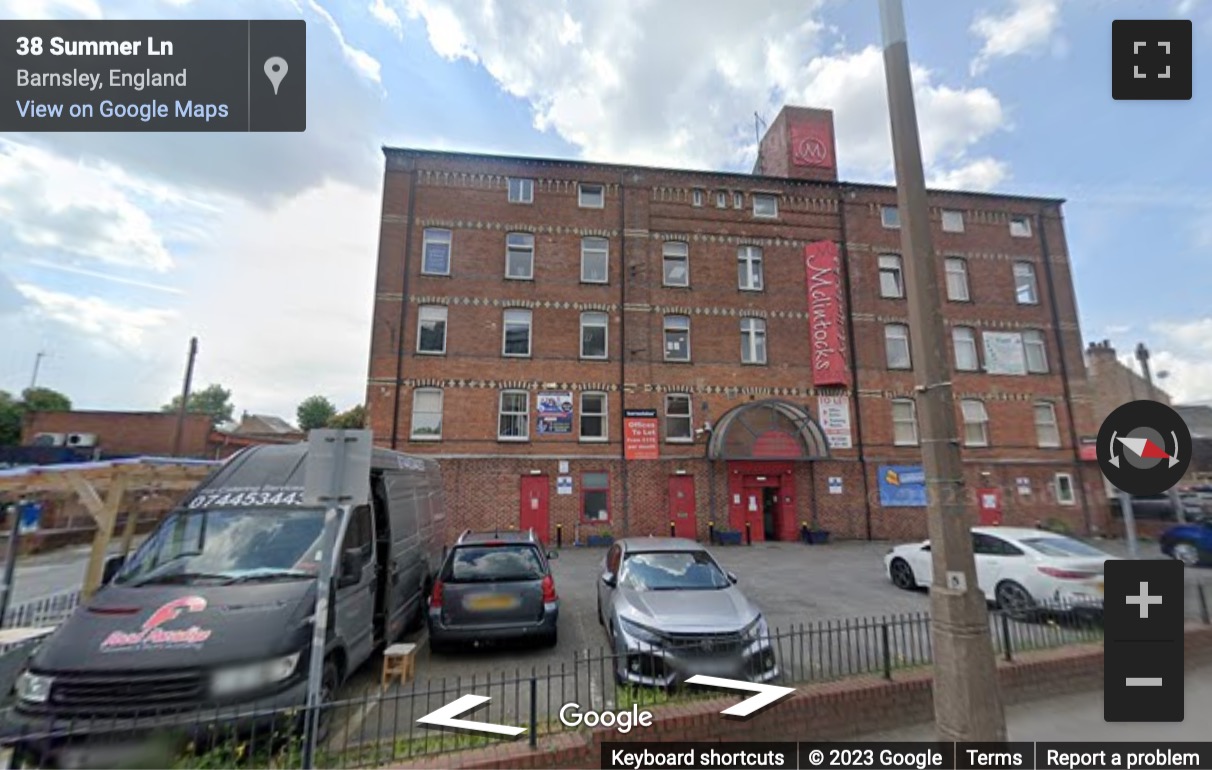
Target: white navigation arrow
(445, 717)
(766, 693)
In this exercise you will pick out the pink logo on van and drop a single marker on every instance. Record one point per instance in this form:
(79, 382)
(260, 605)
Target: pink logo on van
(152, 636)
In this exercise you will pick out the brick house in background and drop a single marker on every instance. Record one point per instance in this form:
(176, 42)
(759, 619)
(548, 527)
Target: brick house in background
(621, 348)
(1114, 383)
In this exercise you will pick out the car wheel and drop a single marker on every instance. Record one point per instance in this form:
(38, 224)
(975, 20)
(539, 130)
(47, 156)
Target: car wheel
(902, 574)
(1187, 553)
(552, 639)
(601, 617)
(1014, 599)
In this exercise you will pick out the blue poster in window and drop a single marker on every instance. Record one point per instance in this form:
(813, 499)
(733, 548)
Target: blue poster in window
(902, 486)
(555, 413)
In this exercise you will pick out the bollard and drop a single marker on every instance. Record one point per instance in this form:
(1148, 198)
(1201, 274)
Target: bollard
(804, 536)
(559, 536)
(1203, 603)
(711, 532)
(748, 533)
(673, 531)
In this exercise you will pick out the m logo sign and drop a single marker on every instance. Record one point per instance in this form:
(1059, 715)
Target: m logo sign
(811, 145)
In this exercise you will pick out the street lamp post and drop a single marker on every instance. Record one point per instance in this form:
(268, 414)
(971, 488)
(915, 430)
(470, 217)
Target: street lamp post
(967, 700)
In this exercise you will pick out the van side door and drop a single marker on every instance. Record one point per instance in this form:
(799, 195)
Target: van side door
(408, 565)
(355, 594)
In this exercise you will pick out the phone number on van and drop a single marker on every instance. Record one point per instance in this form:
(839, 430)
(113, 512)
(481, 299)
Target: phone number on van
(246, 499)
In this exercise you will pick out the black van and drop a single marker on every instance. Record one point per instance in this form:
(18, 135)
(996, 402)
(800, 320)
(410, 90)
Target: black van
(215, 608)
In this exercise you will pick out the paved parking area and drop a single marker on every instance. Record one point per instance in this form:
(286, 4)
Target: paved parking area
(795, 586)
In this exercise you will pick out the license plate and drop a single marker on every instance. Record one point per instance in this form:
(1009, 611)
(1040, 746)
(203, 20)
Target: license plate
(492, 602)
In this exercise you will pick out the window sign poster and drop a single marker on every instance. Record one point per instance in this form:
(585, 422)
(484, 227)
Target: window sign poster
(564, 485)
(834, 413)
(1004, 353)
(555, 413)
(641, 435)
(902, 486)
(835, 485)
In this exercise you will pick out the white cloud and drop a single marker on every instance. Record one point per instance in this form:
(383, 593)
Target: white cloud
(1184, 349)
(607, 78)
(1026, 26)
(51, 9)
(980, 174)
(365, 64)
(1187, 7)
(105, 321)
(384, 14)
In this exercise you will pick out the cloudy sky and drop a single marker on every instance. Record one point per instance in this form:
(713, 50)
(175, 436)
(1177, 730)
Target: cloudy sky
(115, 249)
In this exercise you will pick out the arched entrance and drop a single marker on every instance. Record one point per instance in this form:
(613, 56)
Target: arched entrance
(765, 446)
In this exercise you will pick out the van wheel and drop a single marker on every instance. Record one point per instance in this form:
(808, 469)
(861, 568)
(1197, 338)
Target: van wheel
(329, 682)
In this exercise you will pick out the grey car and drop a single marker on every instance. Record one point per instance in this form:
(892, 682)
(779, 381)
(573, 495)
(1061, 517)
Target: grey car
(494, 586)
(671, 612)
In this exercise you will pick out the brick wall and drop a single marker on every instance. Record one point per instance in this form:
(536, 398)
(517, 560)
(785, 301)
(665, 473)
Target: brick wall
(125, 433)
(835, 711)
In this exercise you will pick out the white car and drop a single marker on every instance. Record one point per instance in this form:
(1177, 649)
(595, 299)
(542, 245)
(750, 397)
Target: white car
(1016, 568)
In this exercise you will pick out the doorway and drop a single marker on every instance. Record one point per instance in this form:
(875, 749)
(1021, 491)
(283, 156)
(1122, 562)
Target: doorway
(681, 507)
(770, 513)
(534, 512)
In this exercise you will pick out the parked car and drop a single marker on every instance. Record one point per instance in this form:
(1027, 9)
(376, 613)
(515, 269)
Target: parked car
(1190, 543)
(670, 612)
(1017, 569)
(494, 586)
(213, 612)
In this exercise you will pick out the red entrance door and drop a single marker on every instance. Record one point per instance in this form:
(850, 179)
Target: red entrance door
(681, 507)
(990, 503)
(534, 514)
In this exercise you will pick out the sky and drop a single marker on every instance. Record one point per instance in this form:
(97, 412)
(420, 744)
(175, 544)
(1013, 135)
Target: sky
(115, 248)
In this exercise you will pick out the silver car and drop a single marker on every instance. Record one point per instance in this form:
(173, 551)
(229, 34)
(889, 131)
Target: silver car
(671, 612)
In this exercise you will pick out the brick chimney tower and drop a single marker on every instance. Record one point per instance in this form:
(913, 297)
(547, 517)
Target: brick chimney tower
(799, 144)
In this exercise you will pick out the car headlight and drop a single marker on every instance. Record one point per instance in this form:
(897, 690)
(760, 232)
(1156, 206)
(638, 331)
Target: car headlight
(33, 688)
(253, 676)
(756, 630)
(641, 633)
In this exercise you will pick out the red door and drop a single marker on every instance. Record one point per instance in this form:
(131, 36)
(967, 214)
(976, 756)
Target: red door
(534, 514)
(681, 507)
(990, 502)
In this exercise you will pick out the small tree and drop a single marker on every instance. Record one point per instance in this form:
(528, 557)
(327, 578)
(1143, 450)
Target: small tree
(315, 412)
(44, 400)
(352, 419)
(214, 400)
(10, 419)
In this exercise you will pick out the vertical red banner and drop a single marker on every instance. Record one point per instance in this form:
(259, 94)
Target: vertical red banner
(826, 314)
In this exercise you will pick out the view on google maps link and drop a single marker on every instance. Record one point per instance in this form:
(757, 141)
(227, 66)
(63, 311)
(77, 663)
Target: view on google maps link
(449, 384)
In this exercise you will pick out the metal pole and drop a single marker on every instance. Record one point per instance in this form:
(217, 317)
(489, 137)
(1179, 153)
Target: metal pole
(1125, 509)
(967, 698)
(10, 561)
(33, 381)
(1143, 356)
(178, 434)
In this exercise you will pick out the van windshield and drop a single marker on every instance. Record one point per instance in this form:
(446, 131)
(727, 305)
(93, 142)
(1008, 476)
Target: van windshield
(228, 545)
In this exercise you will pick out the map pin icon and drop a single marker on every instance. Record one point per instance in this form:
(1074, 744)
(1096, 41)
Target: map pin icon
(275, 70)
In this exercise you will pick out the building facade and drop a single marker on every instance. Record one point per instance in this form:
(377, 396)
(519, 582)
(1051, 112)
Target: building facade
(602, 349)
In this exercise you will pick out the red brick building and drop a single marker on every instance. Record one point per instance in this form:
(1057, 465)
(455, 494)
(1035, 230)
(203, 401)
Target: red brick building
(625, 349)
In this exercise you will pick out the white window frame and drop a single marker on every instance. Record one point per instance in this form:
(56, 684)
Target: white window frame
(1071, 498)
(901, 333)
(771, 200)
(957, 268)
(524, 415)
(1034, 339)
(416, 395)
(604, 415)
(890, 217)
(1030, 270)
(911, 405)
(967, 408)
(1024, 227)
(438, 312)
(897, 269)
(583, 190)
(721, 199)
(511, 249)
(956, 333)
(518, 311)
(598, 319)
(434, 235)
(600, 247)
(753, 330)
(672, 323)
(747, 257)
(1040, 427)
(738, 200)
(688, 417)
(696, 197)
(953, 216)
(524, 190)
(684, 256)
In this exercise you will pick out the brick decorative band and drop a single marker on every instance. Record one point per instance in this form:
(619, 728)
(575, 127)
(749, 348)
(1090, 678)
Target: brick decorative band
(831, 711)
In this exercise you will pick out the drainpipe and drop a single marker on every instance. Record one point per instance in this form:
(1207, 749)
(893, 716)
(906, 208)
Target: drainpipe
(412, 207)
(1058, 333)
(624, 271)
(853, 350)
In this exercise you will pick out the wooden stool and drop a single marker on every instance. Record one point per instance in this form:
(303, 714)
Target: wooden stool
(399, 661)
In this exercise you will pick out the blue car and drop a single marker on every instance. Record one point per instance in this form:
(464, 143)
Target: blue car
(1190, 543)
